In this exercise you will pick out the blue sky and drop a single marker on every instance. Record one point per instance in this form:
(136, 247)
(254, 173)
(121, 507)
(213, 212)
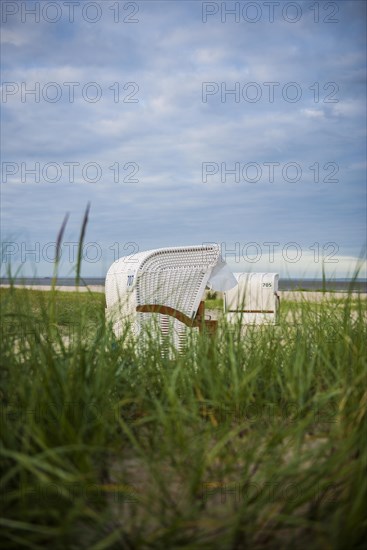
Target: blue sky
(174, 124)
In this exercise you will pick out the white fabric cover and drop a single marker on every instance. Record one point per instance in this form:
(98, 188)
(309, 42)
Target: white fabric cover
(221, 278)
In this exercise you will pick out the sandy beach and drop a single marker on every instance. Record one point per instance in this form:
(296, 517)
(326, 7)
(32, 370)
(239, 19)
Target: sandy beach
(299, 296)
(293, 295)
(90, 288)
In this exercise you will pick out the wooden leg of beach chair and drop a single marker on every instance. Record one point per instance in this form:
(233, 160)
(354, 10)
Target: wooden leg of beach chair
(211, 327)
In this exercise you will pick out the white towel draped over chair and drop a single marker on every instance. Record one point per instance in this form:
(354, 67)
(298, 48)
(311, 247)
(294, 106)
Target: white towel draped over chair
(221, 278)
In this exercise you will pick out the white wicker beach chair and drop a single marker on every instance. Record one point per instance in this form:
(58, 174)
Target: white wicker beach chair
(168, 285)
(254, 300)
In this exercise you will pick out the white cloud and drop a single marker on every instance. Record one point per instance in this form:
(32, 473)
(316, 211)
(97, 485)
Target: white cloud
(313, 113)
(13, 37)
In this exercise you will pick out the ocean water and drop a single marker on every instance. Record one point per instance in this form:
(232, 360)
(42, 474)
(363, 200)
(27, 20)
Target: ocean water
(341, 285)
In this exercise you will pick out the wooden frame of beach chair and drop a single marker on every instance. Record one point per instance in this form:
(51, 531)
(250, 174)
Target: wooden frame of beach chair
(198, 321)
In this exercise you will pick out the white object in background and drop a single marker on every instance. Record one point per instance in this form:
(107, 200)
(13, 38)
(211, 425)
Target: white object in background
(221, 278)
(254, 300)
(172, 277)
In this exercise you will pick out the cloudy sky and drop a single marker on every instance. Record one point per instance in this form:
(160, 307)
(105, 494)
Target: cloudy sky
(184, 122)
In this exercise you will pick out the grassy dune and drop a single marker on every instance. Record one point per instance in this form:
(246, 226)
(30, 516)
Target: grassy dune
(253, 440)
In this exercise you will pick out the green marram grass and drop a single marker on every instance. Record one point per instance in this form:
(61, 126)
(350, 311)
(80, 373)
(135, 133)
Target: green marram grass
(254, 439)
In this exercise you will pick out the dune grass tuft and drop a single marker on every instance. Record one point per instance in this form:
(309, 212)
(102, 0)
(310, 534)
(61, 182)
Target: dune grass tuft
(255, 439)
